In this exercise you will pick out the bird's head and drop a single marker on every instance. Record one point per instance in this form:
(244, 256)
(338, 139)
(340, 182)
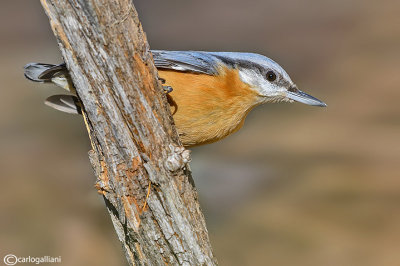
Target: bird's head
(271, 81)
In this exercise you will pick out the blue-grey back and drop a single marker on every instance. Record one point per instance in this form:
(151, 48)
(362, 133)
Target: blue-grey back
(208, 62)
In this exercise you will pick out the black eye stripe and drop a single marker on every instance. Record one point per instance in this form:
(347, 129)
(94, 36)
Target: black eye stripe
(271, 76)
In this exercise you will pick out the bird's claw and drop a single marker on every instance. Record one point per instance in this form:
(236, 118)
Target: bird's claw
(167, 89)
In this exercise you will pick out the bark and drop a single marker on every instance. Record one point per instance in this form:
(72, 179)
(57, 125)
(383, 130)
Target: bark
(141, 166)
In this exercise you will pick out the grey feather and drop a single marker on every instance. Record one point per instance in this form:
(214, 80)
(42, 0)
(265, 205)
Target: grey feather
(186, 61)
(40, 72)
(71, 101)
(64, 103)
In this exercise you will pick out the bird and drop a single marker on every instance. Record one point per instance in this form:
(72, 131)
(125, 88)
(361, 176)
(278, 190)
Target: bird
(209, 93)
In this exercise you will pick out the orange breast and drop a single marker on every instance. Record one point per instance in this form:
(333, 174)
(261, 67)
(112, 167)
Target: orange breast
(208, 108)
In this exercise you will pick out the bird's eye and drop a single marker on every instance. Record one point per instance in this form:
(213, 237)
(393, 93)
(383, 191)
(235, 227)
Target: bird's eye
(271, 76)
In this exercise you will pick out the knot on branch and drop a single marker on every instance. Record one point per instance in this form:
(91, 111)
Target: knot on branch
(178, 158)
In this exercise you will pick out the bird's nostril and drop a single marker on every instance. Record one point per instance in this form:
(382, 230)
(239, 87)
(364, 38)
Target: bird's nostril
(293, 89)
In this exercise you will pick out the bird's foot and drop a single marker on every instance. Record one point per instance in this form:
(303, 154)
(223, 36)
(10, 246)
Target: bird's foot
(167, 89)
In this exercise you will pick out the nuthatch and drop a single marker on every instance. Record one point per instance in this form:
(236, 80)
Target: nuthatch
(212, 92)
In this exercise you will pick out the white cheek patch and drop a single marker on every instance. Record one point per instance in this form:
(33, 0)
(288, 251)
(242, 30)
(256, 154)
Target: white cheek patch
(258, 83)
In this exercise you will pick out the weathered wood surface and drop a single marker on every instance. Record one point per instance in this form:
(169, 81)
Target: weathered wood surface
(136, 151)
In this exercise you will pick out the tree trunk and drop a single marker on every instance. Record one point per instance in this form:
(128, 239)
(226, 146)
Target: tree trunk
(141, 166)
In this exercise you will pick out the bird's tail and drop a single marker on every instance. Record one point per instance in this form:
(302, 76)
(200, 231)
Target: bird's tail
(64, 103)
(48, 73)
(40, 72)
(58, 75)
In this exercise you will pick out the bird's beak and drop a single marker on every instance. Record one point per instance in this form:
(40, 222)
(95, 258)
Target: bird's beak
(297, 95)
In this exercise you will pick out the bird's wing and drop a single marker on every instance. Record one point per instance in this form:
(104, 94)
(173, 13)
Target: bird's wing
(186, 61)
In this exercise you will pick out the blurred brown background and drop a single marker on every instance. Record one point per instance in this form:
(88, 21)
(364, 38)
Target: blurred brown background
(298, 185)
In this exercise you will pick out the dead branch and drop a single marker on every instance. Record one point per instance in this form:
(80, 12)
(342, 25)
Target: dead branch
(141, 167)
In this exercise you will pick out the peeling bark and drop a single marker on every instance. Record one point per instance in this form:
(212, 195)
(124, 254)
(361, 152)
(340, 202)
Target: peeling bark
(141, 167)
